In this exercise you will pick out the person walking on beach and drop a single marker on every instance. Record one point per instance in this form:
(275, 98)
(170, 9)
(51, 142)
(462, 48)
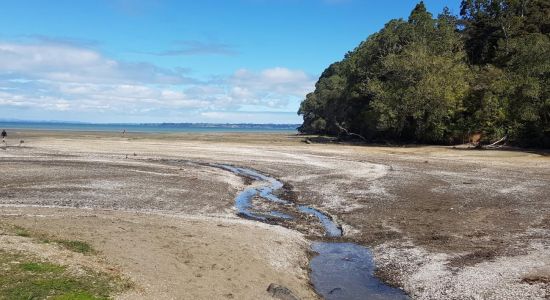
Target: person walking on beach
(4, 135)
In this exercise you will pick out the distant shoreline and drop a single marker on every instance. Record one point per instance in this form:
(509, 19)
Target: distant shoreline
(151, 127)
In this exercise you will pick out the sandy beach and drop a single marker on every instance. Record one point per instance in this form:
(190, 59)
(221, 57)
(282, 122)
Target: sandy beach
(442, 223)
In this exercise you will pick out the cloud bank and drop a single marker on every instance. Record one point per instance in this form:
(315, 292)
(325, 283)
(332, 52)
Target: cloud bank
(70, 80)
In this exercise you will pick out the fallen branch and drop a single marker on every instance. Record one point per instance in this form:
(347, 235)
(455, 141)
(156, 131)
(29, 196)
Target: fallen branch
(350, 133)
(495, 144)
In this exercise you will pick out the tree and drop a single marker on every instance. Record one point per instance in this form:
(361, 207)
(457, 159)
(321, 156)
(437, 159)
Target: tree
(436, 79)
(511, 38)
(421, 88)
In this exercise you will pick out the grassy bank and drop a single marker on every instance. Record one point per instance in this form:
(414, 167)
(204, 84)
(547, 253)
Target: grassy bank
(27, 277)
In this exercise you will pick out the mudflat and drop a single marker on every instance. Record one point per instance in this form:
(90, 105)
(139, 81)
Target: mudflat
(441, 222)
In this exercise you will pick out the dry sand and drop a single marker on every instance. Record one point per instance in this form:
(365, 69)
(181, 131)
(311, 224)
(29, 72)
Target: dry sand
(443, 223)
(171, 256)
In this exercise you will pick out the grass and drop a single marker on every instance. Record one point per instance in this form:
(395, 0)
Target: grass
(41, 267)
(24, 277)
(20, 231)
(77, 246)
(73, 245)
(76, 296)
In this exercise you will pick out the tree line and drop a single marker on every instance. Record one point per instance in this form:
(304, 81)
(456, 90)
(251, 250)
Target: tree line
(440, 80)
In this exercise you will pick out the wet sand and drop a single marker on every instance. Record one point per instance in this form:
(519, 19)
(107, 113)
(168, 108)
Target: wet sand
(442, 222)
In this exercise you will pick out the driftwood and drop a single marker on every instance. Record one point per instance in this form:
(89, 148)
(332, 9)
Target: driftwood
(350, 133)
(496, 144)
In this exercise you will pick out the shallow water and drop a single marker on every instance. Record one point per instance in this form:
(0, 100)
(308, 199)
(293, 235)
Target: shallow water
(243, 204)
(331, 228)
(243, 201)
(346, 271)
(152, 127)
(340, 270)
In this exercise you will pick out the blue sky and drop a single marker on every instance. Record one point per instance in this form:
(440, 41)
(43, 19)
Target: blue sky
(177, 61)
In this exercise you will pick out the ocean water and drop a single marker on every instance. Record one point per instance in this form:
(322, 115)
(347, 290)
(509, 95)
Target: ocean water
(152, 127)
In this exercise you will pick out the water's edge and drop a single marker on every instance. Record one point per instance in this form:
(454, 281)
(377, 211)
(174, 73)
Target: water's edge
(340, 270)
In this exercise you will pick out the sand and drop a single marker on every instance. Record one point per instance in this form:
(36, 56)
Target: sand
(171, 256)
(442, 222)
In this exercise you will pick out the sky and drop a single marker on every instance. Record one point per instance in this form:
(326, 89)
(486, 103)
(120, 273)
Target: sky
(137, 61)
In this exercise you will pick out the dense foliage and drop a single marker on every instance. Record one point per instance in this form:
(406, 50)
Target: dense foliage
(439, 80)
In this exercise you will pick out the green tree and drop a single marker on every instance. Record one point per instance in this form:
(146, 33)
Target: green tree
(420, 88)
(508, 41)
(436, 79)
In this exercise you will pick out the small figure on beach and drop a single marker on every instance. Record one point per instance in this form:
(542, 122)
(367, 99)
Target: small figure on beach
(4, 135)
(123, 132)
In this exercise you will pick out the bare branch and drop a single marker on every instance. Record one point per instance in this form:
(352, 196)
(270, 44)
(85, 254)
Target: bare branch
(349, 133)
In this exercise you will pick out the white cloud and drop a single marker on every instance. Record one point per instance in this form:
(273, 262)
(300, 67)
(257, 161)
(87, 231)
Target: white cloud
(70, 63)
(272, 87)
(68, 78)
(249, 117)
(275, 80)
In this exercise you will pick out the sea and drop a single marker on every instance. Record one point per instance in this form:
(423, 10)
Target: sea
(151, 127)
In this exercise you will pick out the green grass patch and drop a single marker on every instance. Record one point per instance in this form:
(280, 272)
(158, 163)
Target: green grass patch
(77, 246)
(20, 231)
(77, 296)
(24, 277)
(73, 245)
(42, 267)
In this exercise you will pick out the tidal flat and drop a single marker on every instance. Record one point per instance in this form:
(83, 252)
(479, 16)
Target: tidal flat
(441, 223)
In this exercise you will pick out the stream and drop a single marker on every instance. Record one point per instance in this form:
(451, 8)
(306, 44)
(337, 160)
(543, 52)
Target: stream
(340, 270)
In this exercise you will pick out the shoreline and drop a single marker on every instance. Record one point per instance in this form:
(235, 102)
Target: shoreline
(151, 128)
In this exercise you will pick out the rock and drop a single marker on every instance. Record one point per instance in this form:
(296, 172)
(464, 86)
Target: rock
(281, 292)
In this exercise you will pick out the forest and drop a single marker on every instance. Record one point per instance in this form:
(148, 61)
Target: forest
(440, 80)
